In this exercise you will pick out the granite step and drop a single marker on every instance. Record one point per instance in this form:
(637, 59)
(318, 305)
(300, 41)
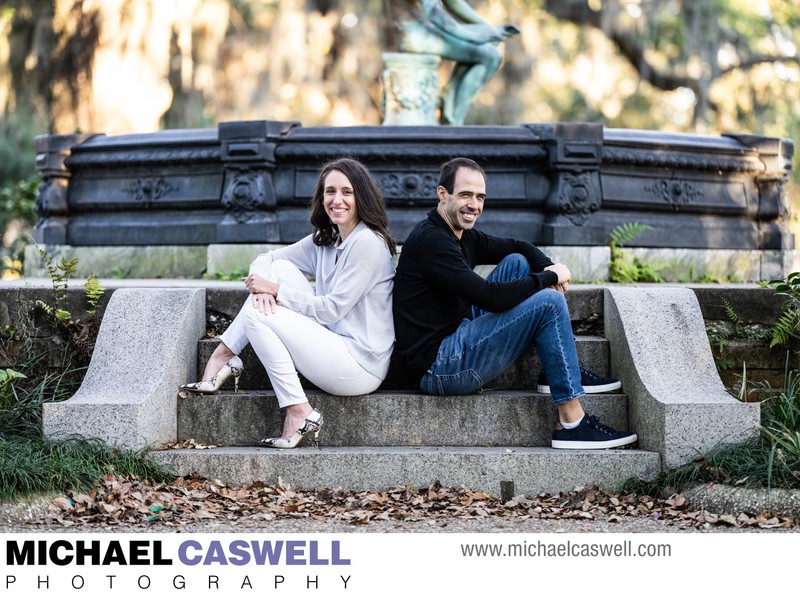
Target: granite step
(593, 353)
(531, 470)
(391, 418)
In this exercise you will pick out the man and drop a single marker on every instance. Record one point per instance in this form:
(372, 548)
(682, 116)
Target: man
(453, 30)
(457, 330)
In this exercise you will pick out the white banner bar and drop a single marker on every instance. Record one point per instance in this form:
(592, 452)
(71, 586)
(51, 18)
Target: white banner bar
(377, 563)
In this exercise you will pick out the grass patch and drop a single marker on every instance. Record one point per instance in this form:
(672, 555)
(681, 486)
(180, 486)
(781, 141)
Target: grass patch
(36, 466)
(21, 398)
(755, 463)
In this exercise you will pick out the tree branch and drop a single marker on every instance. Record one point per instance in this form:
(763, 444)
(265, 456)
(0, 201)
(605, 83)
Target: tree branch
(762, 59)
(580, 13)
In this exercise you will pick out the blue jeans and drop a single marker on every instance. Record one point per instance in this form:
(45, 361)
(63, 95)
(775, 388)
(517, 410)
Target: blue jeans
(486, 344)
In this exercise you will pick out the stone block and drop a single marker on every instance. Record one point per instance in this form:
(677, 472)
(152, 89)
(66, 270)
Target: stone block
(224, 259)
(691, 265)
(777, 264)
(147, 346)
(753, 305)
(593, 353)
(410, 89)
(587, 264)
(148, 261)
(659, 349)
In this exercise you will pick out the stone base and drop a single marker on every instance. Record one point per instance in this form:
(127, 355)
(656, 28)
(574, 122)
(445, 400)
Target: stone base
(410, 89)
(158, 261)
(659, 349)
(736, 266)
(588, 264)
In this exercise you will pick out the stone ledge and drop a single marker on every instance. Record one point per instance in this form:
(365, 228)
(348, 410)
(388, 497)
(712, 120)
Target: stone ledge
(533, 470)
(588, 264)
(724, 499)
(659, 349)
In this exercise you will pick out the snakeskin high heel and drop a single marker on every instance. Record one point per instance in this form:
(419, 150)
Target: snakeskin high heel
(313, 423)
(233, 368)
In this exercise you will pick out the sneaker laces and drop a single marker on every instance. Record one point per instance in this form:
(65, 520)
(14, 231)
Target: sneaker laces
(595, 422)
(591, 374)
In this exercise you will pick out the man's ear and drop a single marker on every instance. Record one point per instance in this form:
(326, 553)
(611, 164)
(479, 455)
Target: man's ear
(441, 192)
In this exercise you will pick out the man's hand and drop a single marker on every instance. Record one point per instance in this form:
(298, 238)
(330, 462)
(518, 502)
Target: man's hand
(564, 277)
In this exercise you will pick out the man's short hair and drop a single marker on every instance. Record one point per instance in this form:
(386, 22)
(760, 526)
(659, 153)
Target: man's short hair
(447, 174)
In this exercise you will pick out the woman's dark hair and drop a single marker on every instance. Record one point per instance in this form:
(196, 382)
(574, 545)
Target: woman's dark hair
(447, 174)
(370, 205)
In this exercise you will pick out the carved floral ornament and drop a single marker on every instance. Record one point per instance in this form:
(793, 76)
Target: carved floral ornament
(148, 190)
(43, 195)
(410, 185)
(413, 89)
(678, 193)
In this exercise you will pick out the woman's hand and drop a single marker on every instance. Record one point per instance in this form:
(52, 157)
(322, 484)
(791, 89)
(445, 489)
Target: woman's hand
(265, 303)
(258, 284)
(264, 293)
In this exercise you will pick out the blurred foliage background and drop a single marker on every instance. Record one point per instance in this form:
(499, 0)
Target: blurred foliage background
(122, 66)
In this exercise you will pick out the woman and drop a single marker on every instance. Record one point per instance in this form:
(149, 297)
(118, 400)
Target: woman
(338, 334)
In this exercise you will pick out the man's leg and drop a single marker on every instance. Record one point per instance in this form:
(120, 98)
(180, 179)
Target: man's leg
(485, 346)
(482, 348)
(476, 63)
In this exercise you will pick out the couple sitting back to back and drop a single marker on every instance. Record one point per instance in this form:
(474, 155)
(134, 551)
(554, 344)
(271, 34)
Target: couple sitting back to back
(455, 330)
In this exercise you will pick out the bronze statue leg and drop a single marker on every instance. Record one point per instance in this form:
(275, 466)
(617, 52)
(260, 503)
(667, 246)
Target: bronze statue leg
(475, 65)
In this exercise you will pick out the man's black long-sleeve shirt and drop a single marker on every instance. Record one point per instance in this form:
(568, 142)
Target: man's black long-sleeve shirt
(435, 284)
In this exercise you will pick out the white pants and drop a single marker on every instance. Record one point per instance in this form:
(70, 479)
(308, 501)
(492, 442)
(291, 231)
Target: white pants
(287, 342)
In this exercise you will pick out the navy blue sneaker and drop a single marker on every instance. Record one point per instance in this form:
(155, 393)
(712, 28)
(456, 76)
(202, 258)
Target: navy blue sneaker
(591, 434)
(592, 383)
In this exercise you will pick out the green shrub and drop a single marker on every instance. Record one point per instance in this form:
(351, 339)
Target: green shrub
(17, 207)
(38, 466)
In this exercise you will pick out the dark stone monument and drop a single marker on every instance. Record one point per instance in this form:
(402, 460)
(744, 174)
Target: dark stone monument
(564, 184)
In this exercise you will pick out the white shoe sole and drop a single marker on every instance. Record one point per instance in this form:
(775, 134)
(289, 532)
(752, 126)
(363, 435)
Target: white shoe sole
(593, 445)
(588, 389)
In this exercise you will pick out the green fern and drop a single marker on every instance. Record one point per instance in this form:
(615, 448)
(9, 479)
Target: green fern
(60, 274)
(785, 329)
(733, 316)
(93, 290)
(627, 232)
(47, 308)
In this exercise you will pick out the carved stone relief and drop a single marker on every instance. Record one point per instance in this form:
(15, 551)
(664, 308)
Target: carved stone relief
(244, 194)
(149, 190)
(677, 193)
(409, 185)
(577, 198)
